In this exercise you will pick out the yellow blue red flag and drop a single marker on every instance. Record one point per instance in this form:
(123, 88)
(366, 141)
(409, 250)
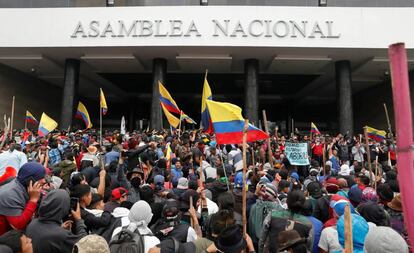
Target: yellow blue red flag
(376, 134)
(83, 114)
(314, 129)
(46, 125)
(30, 118)
(174, 121)
(102, 101)
(205, 116)
(228, 124)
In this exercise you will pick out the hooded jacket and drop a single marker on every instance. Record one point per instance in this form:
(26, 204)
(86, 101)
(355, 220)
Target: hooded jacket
(46, 232)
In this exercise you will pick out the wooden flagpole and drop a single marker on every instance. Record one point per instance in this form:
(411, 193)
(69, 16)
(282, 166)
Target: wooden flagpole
(25, 121)
(368, 153)
(349, 245)
(100, 118)
(269, 147)
(12, 118)
(244, 191)
(388, 122)
(179, 126)
(404, 133)
(376, 173)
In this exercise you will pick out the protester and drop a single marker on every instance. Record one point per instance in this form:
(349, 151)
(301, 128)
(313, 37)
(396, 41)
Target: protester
(144, 182)
(48, 233)
(20, 197)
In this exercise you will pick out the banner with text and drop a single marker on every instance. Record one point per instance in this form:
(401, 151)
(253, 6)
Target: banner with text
(297, 153)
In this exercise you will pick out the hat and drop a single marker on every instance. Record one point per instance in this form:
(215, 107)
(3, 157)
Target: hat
(231, 240)
(159, 181)
(135, 170)
(31, 170)
(287, 239)
(355, 195)
(314, 190)
(369, 194)
(92, 149)
(331, 185)
(119, 192)
(182, 183)
(345, 170)
(295, 175)
(270, 193)
(329, 163)
(314, 171)
(383, 240)
(92, 244)
(238, 180)
(395, 203)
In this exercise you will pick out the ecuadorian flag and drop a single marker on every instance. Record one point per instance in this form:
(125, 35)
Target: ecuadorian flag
(228, 124)
(102, 100)
(376, 134)
(205, 115)
(30, 118)
(83, 114)
(166, 100)
(46, 125)
(314, 129)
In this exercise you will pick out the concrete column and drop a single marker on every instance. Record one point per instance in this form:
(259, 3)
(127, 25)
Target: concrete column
(70, 89)
(159, 70)
(344, 97)
(251, 70)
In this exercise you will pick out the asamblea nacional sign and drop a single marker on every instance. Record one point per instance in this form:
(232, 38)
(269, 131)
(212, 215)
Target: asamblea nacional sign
(219, 28)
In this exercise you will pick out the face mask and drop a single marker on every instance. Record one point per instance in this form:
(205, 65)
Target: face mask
(136, 182)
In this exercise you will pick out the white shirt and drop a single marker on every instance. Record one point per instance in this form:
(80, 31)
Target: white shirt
(14, 159)
(329, 241)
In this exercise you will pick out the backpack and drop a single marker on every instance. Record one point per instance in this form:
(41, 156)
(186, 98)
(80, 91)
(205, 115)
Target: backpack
(279, 224)
(127, 242)
(258, 213)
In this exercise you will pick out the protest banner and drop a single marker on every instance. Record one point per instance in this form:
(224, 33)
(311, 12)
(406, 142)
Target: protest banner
(297, 153)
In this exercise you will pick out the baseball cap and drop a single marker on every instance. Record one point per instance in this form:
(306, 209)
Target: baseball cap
(119, 192)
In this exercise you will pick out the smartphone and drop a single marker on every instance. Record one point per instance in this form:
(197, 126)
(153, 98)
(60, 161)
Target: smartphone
(74, 203)
(30, 179)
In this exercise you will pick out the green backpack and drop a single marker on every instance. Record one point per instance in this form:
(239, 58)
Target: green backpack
(258, 213)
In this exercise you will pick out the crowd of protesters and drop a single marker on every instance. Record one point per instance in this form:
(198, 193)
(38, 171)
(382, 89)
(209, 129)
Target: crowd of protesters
(181, 192)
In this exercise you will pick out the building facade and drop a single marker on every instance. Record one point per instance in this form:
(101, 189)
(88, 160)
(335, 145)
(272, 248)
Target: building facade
(300, 60)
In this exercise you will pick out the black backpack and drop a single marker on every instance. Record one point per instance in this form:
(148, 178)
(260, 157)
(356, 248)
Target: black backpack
(127, 242)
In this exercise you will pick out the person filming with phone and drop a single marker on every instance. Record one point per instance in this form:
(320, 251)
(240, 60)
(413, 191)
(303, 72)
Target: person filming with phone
(19, 198)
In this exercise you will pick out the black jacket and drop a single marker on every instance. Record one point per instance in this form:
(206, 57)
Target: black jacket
(46, 232)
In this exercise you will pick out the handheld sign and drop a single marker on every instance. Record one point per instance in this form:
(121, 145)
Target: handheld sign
(297, 153)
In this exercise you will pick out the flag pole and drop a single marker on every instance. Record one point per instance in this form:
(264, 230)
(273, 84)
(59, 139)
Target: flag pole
(179, 126)
(349, 245)
(269, 148)
(224, 168)
(25, 122)
(100, 117)
(388, 122)
(368, 153)
(244, 189)
(12, 118)
(404, 127)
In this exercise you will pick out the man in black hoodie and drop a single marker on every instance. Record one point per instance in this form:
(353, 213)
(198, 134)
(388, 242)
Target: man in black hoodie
(47, 233)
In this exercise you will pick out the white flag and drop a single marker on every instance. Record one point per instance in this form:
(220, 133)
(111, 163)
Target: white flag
(123, 131)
